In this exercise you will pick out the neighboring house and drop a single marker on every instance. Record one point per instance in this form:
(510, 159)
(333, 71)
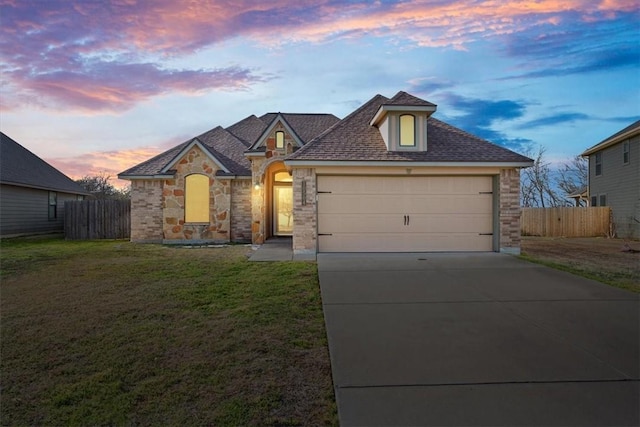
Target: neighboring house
(388, 177)
(32, 192)
(580, 196)
(614, 178)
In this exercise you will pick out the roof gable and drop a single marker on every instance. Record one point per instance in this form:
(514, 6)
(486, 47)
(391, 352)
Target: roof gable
(301, 127)
(408, 100)
(403, 102)
(19, 166)
(262, 139)
(225, 149)
(195, 142)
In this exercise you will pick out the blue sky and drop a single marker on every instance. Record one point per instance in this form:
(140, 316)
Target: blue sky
(98, 86)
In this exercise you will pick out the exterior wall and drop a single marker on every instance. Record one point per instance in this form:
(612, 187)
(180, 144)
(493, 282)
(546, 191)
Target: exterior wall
(305, 218)
(25, 210)
(507, 204)
(509, 211)
(146, 211)
(620, 183)
(241, 213)
(260, 168)
(258, 210)
(173, 202)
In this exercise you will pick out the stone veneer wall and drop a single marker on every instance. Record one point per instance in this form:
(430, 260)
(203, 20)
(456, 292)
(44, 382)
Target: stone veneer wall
(305, 219)
(510, 211)
(173, 225)
(241, 210)
(146, 211)
(257, 202)
(259, 167)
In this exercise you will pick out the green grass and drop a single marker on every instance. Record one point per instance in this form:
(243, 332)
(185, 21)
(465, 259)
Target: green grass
(628, 280)
(97, 333)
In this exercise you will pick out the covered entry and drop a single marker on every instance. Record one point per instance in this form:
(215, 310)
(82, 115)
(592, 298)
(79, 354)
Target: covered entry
(405, 214)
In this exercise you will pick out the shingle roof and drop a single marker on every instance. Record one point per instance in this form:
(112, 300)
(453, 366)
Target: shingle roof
(229, 145)
(404, 98)
(20, 166)
(308, 126)
(220, 143)
(305, 126)
(354, 139)
(248, 130)
(228, 149)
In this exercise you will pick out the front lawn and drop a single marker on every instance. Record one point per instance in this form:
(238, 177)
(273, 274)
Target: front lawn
(98, 333)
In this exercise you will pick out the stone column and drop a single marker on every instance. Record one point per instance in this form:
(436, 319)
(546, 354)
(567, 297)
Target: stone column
(305, 218)
(510, 211)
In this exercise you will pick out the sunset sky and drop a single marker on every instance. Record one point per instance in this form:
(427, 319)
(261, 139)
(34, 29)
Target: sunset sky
(97, 86)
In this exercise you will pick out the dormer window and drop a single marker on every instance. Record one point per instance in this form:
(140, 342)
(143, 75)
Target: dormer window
(407, 130)
(402, 122)
(279, 139)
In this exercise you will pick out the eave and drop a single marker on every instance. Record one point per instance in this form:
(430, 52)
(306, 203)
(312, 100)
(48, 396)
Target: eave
(352, 163)
(611, 141)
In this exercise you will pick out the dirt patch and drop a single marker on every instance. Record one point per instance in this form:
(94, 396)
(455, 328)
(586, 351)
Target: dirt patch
(599, 255)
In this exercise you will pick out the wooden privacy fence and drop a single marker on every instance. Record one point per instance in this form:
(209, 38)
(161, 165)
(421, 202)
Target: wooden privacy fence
(97, 219)
(566, 222)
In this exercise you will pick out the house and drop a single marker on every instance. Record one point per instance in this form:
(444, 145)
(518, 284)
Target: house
(580, 196)
(388, 177)
(32, 192)
(614, 178)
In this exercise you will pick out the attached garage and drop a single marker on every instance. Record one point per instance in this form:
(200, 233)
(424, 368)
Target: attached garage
(405, 213)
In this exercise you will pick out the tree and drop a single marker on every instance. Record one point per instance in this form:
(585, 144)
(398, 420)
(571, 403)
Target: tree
(536, 189)
(100, 187)
(573, 177)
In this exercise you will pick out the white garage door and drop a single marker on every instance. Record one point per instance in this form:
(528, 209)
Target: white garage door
(405, 214)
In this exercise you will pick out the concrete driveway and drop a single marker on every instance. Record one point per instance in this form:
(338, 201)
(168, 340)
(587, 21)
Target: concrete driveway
(477, 339)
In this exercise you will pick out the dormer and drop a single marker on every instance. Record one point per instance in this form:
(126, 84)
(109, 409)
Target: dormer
(402, 122)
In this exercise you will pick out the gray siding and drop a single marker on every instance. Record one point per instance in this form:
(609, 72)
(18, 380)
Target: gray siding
(25, 210)
(620, 183)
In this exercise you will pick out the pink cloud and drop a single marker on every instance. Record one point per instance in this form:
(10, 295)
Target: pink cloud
(109, 163)
(79, 53)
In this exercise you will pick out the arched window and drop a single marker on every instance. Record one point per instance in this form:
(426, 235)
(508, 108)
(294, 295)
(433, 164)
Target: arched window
(196, 198)
(279, 139)
(407, 130)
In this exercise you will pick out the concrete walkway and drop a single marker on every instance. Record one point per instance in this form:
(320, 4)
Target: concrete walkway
(274, 249)
(483, 339)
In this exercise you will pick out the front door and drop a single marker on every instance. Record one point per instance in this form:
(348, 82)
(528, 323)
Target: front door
(283, 209)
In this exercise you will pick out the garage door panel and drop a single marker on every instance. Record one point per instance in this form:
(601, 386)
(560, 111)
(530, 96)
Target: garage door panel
(350, 204)
(350, 223)
(461, 223)
(410, 214)
(414, 224)
(389, 242)
(452, 204)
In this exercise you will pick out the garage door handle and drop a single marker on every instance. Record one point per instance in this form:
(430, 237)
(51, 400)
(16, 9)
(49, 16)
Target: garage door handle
(408, 219)
(485, 234)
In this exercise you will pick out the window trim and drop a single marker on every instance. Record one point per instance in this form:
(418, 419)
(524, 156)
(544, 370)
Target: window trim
(626, 152)
(400, 134)
(597, 159)
(186, 200)
(280, 146)
(52, 208)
